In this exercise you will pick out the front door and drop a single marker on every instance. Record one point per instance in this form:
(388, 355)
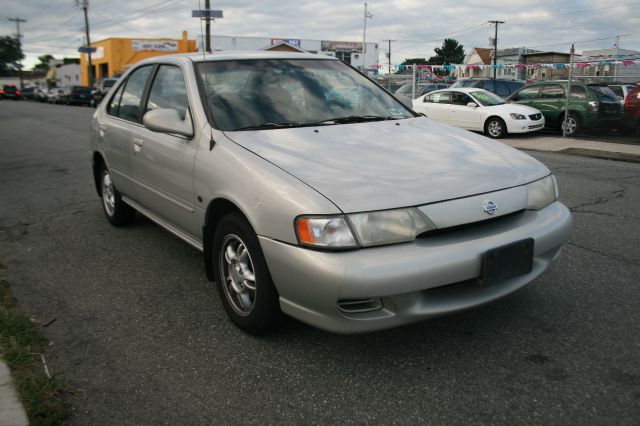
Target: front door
(163, 163)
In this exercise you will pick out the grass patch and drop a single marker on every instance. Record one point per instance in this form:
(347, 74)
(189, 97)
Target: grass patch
(21, 345)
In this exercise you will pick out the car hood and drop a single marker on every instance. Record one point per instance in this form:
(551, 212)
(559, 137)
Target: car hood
(389, 164)
(512, 108)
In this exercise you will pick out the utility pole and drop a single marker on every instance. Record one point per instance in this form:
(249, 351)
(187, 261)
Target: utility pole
(18, 37)
(207, 41)
(568, 95)
(364, 35)
(85, 6)
(389, 57)
(495, 47)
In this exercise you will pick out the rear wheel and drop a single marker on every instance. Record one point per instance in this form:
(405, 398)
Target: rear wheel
(572, 125)
(117, 211)
(244, 283)
(495, 128)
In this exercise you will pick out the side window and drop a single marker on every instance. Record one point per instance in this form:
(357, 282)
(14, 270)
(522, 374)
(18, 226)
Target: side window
(552, 91)
(461, 98)
(501, 89)
(132, 96)
(513, 86)
(430, 98)
(527, 93)
(442, 98)
(168, 91)
(578, 92)
(112, 108)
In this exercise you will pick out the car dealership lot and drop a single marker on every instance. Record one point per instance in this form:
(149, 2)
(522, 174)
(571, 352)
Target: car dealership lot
(142, 333)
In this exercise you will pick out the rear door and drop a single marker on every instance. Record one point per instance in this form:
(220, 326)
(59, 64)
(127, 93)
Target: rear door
(163, 163)
(115, 127)
(436, 105)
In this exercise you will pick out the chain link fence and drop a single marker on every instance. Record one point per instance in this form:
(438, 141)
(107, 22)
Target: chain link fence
(604, 104)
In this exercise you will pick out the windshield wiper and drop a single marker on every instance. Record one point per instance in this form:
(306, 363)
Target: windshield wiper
(265, 126)
(359, 119)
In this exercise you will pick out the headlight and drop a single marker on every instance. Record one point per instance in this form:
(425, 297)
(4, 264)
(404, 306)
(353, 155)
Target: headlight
(389, 226)
(541, 193)
(517, 116)
(324, 232)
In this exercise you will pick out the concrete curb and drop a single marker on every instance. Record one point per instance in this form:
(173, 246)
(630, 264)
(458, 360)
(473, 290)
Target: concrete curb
(604, 150)
(12, 412)
(609, 155)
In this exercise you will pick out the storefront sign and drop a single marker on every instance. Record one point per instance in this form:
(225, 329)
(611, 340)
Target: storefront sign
(154, 46)
(292, 41)
(340, 46)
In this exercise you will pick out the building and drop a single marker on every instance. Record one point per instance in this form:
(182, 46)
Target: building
(547, 72)
(479, 63)
(66, 75)
(113, 56)
(608, 69)
(347, 51)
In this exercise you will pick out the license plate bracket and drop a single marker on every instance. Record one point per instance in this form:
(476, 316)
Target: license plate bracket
(508, 261)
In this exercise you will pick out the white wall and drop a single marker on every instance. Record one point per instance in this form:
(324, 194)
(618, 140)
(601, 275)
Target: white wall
(68, 75)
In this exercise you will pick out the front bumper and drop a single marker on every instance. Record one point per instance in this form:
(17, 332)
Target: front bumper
(426, 278)
(525, 126)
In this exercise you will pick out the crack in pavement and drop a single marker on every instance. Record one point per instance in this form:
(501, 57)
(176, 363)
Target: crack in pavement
(614, 195)
(607, 255)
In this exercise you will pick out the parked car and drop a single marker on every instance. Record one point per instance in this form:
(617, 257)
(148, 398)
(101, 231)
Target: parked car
(479, 110)
(10, 91)
(589, 106)
(56, 96)
(78, 95)
(501, 87)
(422, 89)
(621, 90)
(101, 90)
(631, 117)
(350, 216)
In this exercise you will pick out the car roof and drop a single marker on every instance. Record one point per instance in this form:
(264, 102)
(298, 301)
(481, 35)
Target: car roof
(462, 89)
(238, 55)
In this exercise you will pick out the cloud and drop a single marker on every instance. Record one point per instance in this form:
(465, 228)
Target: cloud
(57, 26)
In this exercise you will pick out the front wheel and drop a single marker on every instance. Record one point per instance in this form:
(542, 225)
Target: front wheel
(117, 211)
(495, 128)
(244, 283)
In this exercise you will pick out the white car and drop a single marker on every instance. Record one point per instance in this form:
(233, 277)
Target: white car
(479, 110)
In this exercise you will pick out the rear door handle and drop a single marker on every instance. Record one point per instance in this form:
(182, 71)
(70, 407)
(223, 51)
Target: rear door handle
(138, 141)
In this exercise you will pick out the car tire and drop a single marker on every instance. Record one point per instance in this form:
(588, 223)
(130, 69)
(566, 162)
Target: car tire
(242, 277)
(495, 128)
(118, 213)
(573, 124)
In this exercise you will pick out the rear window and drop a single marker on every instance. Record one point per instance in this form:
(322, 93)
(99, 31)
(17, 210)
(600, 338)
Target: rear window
(603, 91)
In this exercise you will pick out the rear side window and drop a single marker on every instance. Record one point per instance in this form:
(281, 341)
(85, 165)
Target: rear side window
(439, 98)
(129, 107)
(112, 108)
(513, 86)
(486, 85)
(527, 93)
(552, 91)
(168, 91)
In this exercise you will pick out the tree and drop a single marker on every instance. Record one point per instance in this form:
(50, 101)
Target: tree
(43, 65)
(416, 61)
(451, 52)
(10, 53)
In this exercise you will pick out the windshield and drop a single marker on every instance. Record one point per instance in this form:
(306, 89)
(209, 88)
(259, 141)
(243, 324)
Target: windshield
(251, 94)
(487, 98)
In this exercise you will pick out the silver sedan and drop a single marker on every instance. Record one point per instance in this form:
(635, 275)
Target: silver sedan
(314, 193)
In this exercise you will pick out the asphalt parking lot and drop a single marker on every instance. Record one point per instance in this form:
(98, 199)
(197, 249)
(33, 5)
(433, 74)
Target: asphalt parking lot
(142, 334)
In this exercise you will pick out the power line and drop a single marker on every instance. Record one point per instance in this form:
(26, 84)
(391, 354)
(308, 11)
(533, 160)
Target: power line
(572, 12)
(586, 41)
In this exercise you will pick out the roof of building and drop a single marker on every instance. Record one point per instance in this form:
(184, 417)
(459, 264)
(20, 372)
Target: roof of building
(484, 54)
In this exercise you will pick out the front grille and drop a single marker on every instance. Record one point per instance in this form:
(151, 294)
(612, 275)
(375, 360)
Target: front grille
(359, 306)
(535, 117)
(451, 229)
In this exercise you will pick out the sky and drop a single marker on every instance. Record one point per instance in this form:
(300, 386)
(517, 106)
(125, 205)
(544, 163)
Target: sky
(57, 26)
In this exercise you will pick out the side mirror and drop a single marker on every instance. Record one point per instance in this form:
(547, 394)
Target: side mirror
(472, 105)
(168, 121)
